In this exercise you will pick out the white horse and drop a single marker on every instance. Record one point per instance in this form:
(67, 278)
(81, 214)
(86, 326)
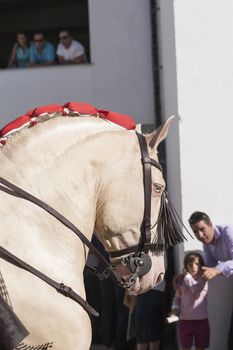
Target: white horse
(91, 172)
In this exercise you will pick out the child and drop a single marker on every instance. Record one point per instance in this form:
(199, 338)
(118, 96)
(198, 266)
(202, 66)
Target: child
(190, 303)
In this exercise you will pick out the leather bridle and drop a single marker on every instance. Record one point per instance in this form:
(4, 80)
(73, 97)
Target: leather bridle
(145, 240)
(136, 257)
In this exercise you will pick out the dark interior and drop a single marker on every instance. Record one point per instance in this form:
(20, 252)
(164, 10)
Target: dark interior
(48, 16)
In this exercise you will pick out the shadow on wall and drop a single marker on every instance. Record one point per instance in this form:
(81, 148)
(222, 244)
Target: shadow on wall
(220, 303)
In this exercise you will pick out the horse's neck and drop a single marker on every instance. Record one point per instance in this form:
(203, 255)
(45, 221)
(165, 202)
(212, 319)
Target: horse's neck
(47, 161)
(49, 164)
(34, 151)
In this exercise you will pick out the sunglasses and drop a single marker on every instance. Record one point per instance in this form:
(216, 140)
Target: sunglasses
(64, 37)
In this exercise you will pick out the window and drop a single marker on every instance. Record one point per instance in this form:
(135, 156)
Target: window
(48, 16)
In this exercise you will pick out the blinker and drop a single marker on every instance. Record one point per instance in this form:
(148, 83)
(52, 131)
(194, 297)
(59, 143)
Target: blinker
(140, 264)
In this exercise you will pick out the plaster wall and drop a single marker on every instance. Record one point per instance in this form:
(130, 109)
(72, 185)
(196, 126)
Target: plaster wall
(119, 77)
(197, 79)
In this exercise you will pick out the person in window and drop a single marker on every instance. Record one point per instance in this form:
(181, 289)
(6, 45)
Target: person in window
(41, 51)
(69, 51)
(20, 52)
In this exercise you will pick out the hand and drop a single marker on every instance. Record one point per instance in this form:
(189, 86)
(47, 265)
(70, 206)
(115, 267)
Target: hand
(174, 312)
(210, 272)
(177, 280)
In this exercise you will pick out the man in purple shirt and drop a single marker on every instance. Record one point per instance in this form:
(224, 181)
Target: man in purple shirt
(218, 249)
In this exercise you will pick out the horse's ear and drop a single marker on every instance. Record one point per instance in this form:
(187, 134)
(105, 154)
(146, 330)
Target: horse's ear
(139, 128)
(159, 134)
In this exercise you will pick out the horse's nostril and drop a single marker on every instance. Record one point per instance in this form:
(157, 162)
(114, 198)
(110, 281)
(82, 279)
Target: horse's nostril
(160, 278)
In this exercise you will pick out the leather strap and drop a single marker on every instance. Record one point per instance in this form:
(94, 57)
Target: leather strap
(134, 249)
(146, 166)
(145, 240)
(67, 291)
(144, 243)
(56, 214)
(60, 287)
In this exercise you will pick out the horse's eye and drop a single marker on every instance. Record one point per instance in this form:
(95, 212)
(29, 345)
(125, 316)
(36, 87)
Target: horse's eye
(158, 189)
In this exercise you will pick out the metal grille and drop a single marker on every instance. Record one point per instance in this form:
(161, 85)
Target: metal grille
(3, 291)
(23, 346)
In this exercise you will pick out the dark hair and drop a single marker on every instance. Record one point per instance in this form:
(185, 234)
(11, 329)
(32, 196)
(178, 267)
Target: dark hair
(190, 257)
(65, 30)
(20, 32)
(199, 216)
(38, 33)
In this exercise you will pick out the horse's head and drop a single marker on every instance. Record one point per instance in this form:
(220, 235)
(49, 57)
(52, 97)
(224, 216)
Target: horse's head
(122, 210)
(106, 188)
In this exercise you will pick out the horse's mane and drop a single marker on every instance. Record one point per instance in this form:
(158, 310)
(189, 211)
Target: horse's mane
(70, 109)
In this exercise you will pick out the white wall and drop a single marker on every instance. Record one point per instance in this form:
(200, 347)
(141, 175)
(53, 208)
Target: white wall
(119, 78)
(197, 44)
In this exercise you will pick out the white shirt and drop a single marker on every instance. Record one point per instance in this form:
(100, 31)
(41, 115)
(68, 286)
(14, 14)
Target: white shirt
(75, 50)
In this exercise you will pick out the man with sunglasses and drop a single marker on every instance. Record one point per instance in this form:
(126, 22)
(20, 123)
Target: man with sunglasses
(69, 51)
(41, 51)
(218, 250)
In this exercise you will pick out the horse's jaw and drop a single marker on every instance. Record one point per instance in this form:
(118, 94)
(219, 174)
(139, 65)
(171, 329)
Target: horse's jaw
(148, 281)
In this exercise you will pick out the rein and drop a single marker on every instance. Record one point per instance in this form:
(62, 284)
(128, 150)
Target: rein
(136, 257)
(139, 264)
(60, 287)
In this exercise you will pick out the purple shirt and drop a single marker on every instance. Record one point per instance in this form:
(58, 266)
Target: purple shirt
(219, 253)
(191, 298)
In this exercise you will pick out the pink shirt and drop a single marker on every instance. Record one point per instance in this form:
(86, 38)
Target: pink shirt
(191, 298)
